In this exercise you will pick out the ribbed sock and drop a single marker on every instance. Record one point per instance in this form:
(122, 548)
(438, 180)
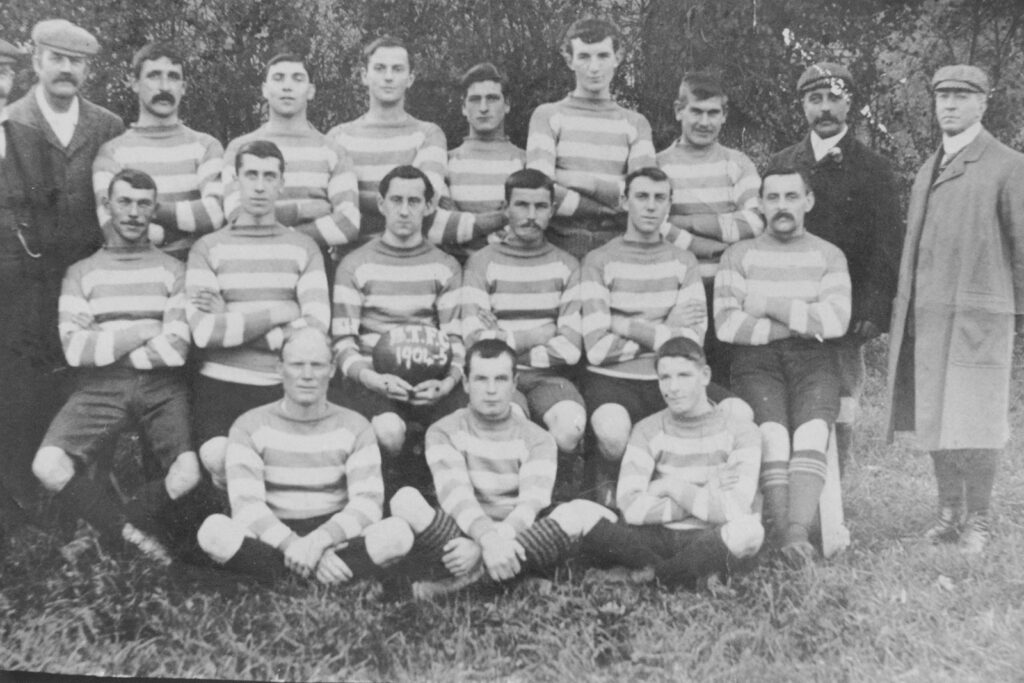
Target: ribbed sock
(806, 479)
(88, 500)
(775, 487)
(431, 541)
(546, 544)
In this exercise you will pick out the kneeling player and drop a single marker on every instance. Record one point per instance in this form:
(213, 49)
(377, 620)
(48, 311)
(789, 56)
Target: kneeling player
(304, 481)
(493, 470)
(122, 324)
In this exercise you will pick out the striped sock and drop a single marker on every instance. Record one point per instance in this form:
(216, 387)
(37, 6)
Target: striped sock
(806, 479)
(431, 541)
(545, 544)
(775, 486)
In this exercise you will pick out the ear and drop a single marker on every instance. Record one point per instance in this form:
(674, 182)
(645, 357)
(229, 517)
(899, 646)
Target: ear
(263, 90)
(412, 78)
(705, 375)
(312, 93)
(624, 202)
(567, 56)
(810, 200)
(363, 76)
(134, 85)
(678, 106)
(380, 204)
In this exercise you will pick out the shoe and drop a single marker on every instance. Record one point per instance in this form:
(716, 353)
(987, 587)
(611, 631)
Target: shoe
(431, 590)
(145, 545)
(796, 550)
(946, 528)
(975, 535)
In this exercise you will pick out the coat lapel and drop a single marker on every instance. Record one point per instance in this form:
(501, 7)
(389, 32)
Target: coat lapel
(968, 155)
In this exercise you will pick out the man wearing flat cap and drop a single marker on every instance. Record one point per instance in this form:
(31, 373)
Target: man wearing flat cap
(48, 222)
(961, 284)
(856, 208)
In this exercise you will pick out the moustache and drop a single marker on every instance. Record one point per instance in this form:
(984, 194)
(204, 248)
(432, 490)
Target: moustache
(163, 97)
(66, 78)
(783, 214)
(826, 117)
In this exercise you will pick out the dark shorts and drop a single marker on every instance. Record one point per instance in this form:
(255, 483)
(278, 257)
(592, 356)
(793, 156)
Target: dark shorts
(218, 404)
(107, 400)
(354, 396)
(640, 397)
(789, 381)
(543, 389)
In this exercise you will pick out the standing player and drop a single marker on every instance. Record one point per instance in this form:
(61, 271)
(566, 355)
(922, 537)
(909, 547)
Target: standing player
(526, 292)
(304, 482)
(122, 323)
(587, 143)
(185, 163)
(246, 286)
(478, 167)
(778, 298)
(395, 279)
(714, 192)
(319, 198)
(387, 136)
(856, 208)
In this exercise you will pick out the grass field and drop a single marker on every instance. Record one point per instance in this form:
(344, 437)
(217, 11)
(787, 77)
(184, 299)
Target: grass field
(889, 609)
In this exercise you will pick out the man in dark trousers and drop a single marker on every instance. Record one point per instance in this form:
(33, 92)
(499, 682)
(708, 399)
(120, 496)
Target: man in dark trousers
(856, 208)
(47, 223)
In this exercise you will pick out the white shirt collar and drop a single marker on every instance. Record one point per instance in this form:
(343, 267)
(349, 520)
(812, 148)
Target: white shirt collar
(821, 146)
(62, 123)
(951, 144)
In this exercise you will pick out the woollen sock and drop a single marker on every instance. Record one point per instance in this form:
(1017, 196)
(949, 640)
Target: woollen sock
(806, 480)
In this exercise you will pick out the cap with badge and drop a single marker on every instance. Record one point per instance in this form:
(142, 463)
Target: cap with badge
(960, 77)
(63, 36)
(8, 53)
(835, 77)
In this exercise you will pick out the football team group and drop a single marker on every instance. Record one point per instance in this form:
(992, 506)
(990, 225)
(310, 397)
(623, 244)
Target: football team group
(361, 354)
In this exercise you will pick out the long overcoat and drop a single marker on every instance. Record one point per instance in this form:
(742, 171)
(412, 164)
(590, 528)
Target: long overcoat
(961, 281)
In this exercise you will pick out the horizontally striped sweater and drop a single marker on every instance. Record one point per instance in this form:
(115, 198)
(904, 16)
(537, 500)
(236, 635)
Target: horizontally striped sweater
(115, 288)
(649, 283)
(525, 288)
(689, 449)
(487, 472)
(320, 197)
(284, 468)
(186, 166)
(802, 285)
(252, 267)
(477, 170)
(379, 286)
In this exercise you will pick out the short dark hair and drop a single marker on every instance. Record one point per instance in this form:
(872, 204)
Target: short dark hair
(155, 50)
(592, 30)
(261, 149)
(139, 180)
(386, 41)
(288, 57)
(490, 348)
(528, 179)
(681, 347)
(784, 169)
(703, 86)
(406, 172)
(652, 172)
(484, 71)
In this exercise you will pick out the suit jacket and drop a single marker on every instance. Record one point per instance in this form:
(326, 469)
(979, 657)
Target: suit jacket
(856, 208)
(961, 281)
(55, 189)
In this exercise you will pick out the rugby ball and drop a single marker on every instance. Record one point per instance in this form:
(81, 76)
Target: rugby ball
(413, 352)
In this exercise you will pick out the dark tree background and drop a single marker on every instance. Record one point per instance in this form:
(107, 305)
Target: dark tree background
(758, 47)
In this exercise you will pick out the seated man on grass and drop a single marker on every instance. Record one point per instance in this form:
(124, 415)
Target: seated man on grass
(304, 482)
(494, 470)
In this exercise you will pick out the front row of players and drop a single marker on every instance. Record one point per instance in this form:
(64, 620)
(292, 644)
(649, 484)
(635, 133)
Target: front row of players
(304, 476)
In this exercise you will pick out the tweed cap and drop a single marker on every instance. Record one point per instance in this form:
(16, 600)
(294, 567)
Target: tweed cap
(960, 77)
(8, 53)
(825, 75)
(63, 36)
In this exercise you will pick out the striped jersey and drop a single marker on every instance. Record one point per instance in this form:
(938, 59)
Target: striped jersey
(319, 198)
(647, 285)
(767, 289)
(186, 166)
(525, 288)
(714, 195)
(283, 468)
(379, 286)
(594, 136)
(689, 449)
(105, 295)
(476, 180)
(487, 472)
(252, 267)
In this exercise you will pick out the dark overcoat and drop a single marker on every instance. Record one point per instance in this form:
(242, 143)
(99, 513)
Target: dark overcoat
(961, 282)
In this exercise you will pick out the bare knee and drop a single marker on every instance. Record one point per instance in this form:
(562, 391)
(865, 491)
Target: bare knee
(183, 475)
(737, 409)
(212, 454)
(743, 536)
(611, 425)
(811, 436)
(390, 432)
(388, 540)
(220, 537)
(774, 442)
(53, 468)
(565, 421)
(410, 506)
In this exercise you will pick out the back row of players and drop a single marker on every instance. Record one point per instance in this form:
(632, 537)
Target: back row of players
(639, 285)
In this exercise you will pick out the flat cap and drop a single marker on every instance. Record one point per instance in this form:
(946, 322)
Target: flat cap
(8, 53)
(825, 75)
(62, 35)
(960, 77)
